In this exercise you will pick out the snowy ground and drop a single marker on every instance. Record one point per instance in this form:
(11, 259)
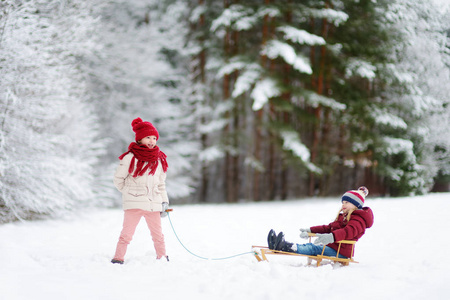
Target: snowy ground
(404, 255)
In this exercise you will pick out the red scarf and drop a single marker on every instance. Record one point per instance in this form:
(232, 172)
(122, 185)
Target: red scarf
(147, 158)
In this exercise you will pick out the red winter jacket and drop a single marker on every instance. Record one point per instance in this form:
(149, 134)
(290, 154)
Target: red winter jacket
(351, 230)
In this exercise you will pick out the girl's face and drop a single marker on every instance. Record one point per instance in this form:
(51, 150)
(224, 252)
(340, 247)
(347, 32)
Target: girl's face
(149, 141)
(347, 207)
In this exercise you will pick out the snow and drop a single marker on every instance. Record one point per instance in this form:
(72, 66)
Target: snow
(357, 67)
(383, 117)
(301, 36)
(333, 16)
(69, 258)
(275, 49)
(396, 146)
(238, 15)
(315, 100)
(211, 154)
(212, 126)
(228, 68)
(292, 142)
(246, 80)
(263, 91)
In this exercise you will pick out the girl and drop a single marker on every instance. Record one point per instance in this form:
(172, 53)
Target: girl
(350, 224)
(141, 177)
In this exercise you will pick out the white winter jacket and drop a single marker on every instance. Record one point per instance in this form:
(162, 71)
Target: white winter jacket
(146, 192)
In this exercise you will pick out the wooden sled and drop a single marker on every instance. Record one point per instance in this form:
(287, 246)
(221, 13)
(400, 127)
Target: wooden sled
(261, 253)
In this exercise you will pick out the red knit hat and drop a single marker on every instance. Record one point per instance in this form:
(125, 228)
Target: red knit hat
(143, 129)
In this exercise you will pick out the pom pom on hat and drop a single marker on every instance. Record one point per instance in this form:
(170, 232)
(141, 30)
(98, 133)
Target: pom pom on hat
(356, 197)
(143, 129)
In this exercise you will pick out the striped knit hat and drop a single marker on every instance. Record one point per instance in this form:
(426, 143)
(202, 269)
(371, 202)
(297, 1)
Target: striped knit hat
(356, 197)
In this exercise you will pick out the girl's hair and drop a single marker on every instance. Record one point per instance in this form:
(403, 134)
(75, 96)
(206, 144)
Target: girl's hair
(348, 215)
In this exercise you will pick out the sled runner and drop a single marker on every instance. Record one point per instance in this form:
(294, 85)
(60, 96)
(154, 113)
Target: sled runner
(261, 253)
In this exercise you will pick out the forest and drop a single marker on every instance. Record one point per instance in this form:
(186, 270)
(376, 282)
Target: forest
(254, 100)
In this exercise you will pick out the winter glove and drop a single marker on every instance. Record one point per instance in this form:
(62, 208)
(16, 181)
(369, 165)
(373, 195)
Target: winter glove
(304, 233)
(165, 206)
(324, 239)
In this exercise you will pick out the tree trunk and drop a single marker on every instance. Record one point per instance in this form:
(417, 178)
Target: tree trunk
(259, 116)
(204, 137)
(286, 96)
(231, 158)
(313, 184)
(257, 155)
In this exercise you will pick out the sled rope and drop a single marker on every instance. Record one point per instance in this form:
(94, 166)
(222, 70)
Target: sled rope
(201, 257)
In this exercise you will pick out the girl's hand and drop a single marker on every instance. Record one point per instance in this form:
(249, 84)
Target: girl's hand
(324, 239)
(165, 206)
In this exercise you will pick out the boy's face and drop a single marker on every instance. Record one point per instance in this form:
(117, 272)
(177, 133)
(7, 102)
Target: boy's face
(347, 206)
(149, 141)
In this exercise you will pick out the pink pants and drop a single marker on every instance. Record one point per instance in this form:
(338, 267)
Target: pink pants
(130, 221)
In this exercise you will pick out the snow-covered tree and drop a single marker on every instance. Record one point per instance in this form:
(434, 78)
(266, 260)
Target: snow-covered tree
(203, 94)
(292, 65)
(141, 71)
(312, 87)
(418, 96)
(48, 132)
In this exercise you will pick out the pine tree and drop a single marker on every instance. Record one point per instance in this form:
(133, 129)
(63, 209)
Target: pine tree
(308, 90)
(266, 65)
(48, 132)
(418, 94)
